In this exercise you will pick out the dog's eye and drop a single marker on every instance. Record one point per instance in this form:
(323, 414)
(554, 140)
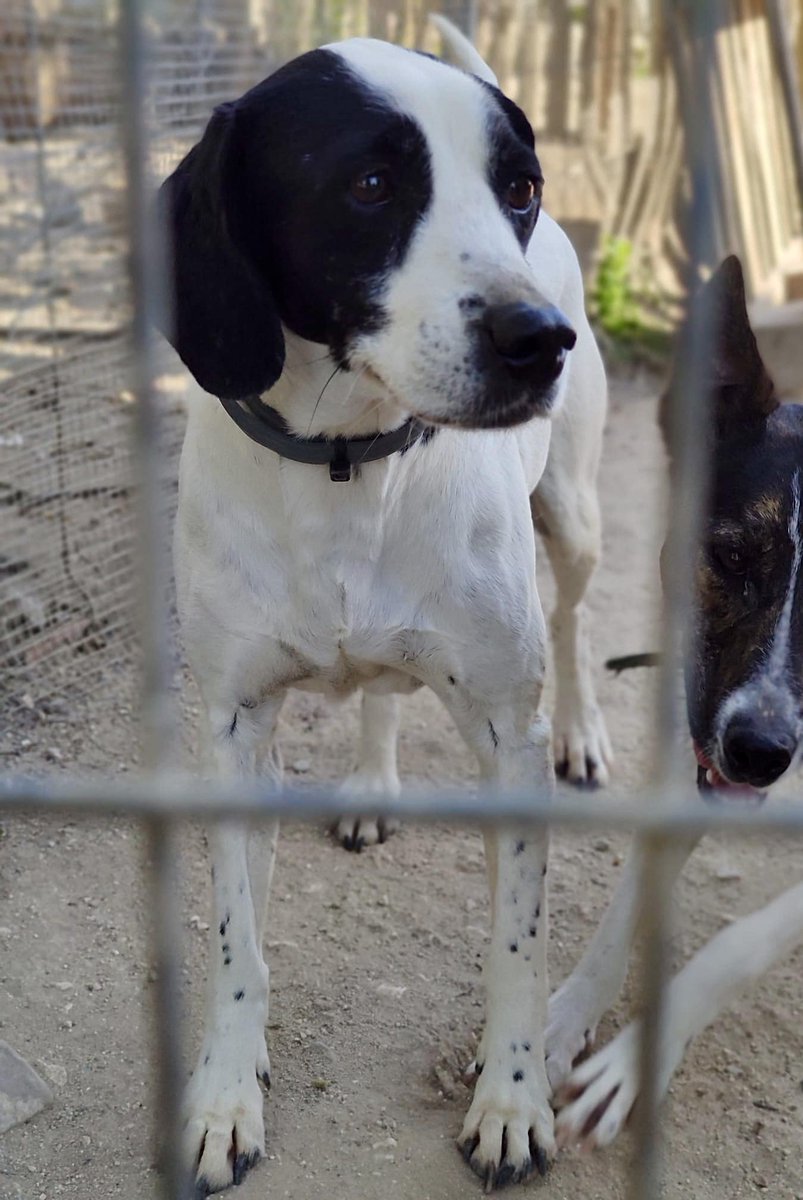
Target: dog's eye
(372, 187)
(521, 193)
(729, 559)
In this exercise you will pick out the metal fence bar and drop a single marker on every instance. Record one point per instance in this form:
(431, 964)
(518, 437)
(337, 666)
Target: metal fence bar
(146, 265)
(655, 888)
(161, 797)
(184, 797)
(162, 846)
(692, 29)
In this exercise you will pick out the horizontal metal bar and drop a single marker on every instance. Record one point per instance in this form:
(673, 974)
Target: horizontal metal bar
(183, 795)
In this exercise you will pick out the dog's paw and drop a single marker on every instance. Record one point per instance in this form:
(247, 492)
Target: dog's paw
(581, 745)
(570, 1028)
(355, 832)
(567, 1038)
(598, 1097)
(507, 1135)
(224, 1131)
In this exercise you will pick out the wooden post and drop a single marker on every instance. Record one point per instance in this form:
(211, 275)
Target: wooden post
(529, 75)
(558, 59)
(465, 13)
(507, 36)
(785, 66)
(589, 60)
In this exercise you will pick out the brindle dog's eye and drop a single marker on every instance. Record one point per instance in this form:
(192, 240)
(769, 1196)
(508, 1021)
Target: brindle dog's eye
(521, 194)
(371, 187)
(729, 559)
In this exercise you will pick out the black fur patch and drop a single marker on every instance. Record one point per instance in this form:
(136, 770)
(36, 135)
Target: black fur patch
(264, 225)
(513, 154)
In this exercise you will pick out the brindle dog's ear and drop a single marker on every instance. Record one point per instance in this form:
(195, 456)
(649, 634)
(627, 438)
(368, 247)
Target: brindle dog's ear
(740, 389)
(225, 325)
(744, 391)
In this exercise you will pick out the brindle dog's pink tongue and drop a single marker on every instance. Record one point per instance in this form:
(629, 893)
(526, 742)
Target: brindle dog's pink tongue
(709, 778)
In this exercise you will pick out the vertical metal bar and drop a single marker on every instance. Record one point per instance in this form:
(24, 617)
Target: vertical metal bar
(168, 1059)
(148, 291)
(694, 61)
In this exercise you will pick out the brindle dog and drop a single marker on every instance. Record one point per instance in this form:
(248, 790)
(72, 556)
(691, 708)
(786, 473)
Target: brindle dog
(744, 671)
(744, 681)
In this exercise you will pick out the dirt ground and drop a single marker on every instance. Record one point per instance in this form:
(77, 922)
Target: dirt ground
(376, 989)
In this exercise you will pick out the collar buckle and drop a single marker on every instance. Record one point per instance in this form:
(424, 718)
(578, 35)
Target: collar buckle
(339, 464)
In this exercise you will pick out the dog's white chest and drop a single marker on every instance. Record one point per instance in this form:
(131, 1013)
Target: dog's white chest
(287, 579)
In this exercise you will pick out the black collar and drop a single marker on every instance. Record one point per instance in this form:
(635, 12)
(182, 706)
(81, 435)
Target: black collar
(266, 426)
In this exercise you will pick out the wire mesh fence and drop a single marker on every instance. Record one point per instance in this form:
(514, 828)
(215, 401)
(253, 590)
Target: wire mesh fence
(63, 306)
(65, 597)
(79, 429)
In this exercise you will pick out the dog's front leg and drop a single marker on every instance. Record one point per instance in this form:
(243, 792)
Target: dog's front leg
(507, 1133)
(566, 512)
(593, 986)
(601, 1093)
(224, 1132)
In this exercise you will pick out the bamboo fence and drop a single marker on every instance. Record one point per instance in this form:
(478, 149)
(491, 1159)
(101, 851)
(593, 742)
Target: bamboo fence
(597, 79)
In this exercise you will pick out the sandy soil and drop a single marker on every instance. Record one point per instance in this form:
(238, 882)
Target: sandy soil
(375, 959)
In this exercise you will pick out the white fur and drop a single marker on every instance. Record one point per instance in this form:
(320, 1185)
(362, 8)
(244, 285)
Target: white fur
(735, 958)
(462, 52)
(462, 247)
(576, 1008)
(420, 570)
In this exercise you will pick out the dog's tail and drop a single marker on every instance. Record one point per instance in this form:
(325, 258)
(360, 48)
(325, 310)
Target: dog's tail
(461, 50)
(628, 661)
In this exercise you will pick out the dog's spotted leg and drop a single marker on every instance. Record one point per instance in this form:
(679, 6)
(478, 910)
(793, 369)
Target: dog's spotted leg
(566, 514)
(376, 773)
(581, 1001)
(599, 1095)
(507, 1134)
(224, 1129)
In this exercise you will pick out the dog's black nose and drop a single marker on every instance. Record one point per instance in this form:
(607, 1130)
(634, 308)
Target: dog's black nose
(756, 756)
(527, 337)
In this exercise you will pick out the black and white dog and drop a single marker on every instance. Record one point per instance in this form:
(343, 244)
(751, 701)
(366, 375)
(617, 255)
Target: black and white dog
(366, 281)
(744, 689)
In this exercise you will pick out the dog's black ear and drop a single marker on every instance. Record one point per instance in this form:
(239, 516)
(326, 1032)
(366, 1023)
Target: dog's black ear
(740, 392)
(743, 389)
(225, 325)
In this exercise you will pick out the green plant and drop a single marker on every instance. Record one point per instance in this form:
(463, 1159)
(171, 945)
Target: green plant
(620, 309)
(613, 298)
